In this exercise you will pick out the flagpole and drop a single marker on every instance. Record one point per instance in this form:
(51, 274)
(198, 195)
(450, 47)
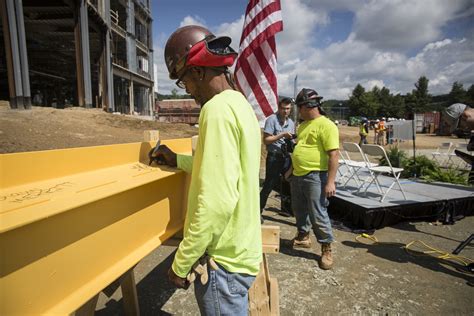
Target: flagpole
(295, 86)
(294, 116)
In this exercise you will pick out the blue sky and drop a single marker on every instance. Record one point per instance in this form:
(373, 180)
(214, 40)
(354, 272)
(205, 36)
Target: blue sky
(332, 45)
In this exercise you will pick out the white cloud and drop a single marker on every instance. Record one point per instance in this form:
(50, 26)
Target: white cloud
(299, 23)
(233, 30)
(192, 20)
(373, 54)
(404, 24)
(445, 62)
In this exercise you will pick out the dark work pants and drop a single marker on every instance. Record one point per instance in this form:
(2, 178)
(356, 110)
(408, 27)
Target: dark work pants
(273, 167)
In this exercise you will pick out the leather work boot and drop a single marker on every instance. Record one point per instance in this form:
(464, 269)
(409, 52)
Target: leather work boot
(302, 240)
(326, 260)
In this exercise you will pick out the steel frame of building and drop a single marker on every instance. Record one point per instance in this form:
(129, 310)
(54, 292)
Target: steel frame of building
(69, 52)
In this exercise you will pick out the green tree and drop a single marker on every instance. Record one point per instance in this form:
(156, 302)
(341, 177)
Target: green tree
(355, 100)
(385, 100)
(369, 104)
(421, 96)
(397, 108)
(410, 104)
(174, 94)
(470, 96)
(457, 94)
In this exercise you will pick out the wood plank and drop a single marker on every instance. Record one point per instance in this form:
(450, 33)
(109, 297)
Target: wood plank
(274, 297)
(259, 301)
(266, 272)
(151, 136)
(270, 238)
(129, 294)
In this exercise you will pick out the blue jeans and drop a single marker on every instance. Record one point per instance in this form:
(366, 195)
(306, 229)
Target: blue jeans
(273, 167)
(310, 205)
(225, 293)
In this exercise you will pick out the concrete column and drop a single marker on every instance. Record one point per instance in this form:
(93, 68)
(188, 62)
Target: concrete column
(25, 75)
(78, 50)
(106, 64)
(131, 44)
(152, 101)
(12, 54)
(131, 96)
(86, 60)
(83, 63)
(151, 64)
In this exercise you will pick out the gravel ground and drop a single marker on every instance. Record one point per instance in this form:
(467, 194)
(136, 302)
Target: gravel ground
(368, 278)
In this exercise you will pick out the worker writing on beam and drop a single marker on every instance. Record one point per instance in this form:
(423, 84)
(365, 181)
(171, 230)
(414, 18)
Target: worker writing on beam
(222, 218)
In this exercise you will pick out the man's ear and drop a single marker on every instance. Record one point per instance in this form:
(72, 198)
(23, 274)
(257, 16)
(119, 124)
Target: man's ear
(199, 73)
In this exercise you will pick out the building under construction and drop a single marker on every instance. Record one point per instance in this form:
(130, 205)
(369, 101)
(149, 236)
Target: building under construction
(90, 53)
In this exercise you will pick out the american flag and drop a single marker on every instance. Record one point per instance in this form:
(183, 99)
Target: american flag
(256, 68)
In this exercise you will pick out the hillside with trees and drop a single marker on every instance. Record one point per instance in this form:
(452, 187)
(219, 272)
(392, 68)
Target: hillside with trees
(379, 102)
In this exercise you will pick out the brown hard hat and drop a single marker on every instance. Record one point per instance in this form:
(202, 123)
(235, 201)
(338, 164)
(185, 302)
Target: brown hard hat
(182, 50)
(179, 44)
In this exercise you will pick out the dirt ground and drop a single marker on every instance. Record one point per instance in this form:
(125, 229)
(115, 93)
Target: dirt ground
(368, 278)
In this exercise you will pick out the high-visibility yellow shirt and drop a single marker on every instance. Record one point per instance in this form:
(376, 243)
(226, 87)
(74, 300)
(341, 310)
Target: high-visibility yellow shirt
(315, 138)
(362, 130)
(223, 217)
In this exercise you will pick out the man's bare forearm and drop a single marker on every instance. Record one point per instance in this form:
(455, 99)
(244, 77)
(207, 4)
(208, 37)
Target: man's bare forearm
(333, 164)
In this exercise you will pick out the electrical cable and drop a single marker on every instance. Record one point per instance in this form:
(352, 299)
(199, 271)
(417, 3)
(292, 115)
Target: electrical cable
(364, 235)
(440, 253)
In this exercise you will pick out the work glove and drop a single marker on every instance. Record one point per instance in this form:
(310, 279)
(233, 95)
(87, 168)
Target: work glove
(199, 269)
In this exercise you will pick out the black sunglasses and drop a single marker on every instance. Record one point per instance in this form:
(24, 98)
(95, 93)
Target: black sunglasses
(180, 83)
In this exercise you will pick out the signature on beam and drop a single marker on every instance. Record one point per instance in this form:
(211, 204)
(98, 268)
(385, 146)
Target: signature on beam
(142, 167)
(34, 193)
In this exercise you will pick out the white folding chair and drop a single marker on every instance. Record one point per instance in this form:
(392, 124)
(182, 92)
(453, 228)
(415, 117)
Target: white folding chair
(348, 169)
(443, 151)
(379, 151)
(358, 166)
(342, 162)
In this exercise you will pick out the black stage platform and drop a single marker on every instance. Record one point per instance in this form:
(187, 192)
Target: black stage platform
(425, 201)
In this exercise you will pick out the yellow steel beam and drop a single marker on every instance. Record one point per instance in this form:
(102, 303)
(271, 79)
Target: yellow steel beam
(74, 220)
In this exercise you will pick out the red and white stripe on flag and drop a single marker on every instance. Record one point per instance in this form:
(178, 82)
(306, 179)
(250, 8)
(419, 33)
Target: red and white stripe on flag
(256, 68)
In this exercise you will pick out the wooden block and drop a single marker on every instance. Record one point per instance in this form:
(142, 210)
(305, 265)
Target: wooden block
(266, 272)
(259, 301)
(274, 297)
(151, 136)
(129, 294)
(270, 239)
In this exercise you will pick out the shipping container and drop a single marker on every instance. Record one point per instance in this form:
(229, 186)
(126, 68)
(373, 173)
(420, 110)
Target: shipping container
(427, 122)
(431, 122)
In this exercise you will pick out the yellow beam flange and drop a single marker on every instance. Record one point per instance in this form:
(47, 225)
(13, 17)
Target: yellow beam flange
(72, 221)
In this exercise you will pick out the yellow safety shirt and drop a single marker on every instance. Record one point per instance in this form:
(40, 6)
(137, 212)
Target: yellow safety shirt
(223, 217)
